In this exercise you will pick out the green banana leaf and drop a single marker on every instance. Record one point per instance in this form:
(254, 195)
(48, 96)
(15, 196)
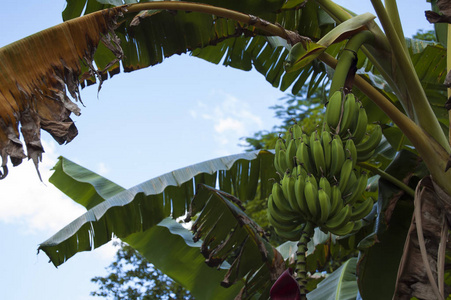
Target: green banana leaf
(189, 269)
(162, 33)
(213, 39)
(170, 248)
(133, 214)
(340, 285)
(228, 233)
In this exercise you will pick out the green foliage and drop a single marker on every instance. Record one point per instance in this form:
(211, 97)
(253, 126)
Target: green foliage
(428, 35)
(132, 277)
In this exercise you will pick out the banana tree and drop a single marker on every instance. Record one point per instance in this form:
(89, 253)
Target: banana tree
(399, 82)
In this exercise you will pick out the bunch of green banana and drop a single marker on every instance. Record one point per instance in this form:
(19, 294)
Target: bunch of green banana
(286, 147)
(300, 197)
(342, 112)
(319, 180)
(346, 117)
(284, 213)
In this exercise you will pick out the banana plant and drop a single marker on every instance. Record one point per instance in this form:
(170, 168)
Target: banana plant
(398, 80)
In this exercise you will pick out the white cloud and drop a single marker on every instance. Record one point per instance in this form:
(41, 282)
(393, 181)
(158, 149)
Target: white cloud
(38, 207)
(32, 204)
(102, 169)
(229, 124)
(231, 119)
(193, 113)
(107, 251)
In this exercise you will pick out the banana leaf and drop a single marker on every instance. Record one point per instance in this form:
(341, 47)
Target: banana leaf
(340, 285)
(229, 234)
(134, 214)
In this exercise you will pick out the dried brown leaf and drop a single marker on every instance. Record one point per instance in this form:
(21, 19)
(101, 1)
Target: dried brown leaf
(38, 73)
(425, 234)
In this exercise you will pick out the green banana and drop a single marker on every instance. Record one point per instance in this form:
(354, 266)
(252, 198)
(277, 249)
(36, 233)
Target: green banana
(351, 150)
(360, 127)
(294, 171)
(306, 139)
(340, 141)
(278, 216)
(297, 132)
(362, 209)
(336, 201)
(290, 154)
(288, 136)
(358, 189)
(325, 185)
(282, 226)
(324, 205)
(351, 183)
(299, 187)
(300, 171)
(293, 235)
(333, 109)
(349, 113)
(318, 156)
(344, 230)
(345, 174)
(282, 154)
(339, 219)
(279, 199)
(371, 143)
(311, 197)
(280, 144)
(338, 156)
(312, 178)
(368, 156)
(326, 141)
(288, 188)
(276, 164)
(313, 137)
(303, 156)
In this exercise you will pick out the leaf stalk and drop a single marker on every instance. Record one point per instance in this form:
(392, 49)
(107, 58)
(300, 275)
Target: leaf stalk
(388, 177)
(423, 113)
(265, 26)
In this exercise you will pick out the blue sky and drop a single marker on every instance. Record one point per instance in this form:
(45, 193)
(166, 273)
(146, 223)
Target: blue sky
(143, 124)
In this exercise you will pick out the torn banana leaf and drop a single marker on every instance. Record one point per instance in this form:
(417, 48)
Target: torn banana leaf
(228, 234)
(132, 214)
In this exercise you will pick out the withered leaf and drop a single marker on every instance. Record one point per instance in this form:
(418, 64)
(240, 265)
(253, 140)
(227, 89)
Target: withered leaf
(36, 75)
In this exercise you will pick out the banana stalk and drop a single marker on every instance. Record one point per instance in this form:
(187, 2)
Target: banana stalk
(388, 177)
(301, 272)
(347, 57)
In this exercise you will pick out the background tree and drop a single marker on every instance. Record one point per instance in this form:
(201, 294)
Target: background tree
(132, 277)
